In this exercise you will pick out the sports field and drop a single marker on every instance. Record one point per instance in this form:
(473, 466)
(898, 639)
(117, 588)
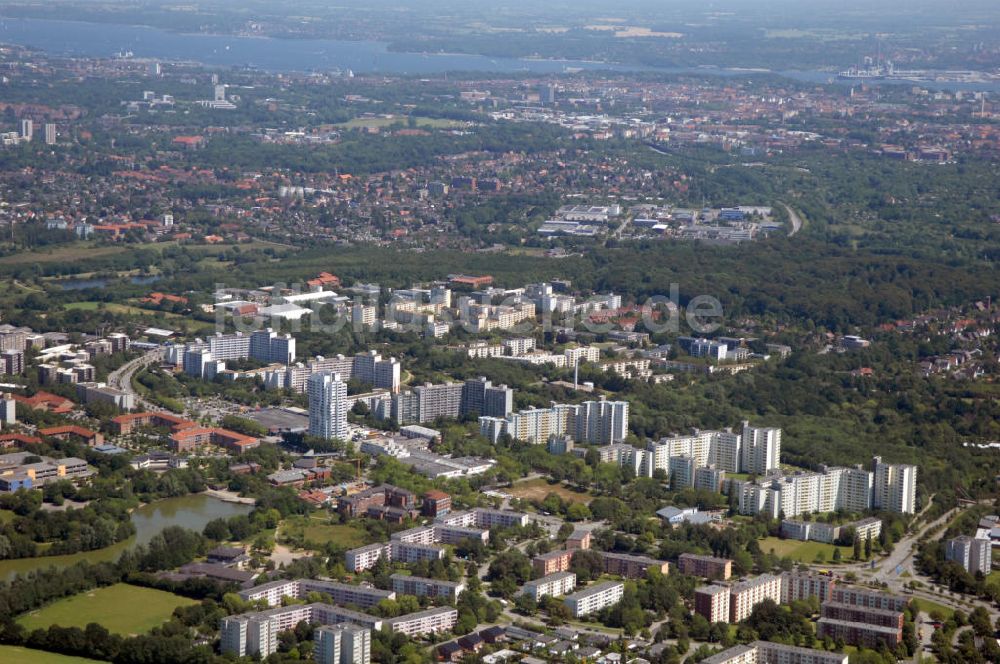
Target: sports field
(539, 488)
(121, 608)
(19, 655)
(804, 552)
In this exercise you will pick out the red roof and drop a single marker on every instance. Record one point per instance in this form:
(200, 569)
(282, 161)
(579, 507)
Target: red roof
(45, 401)
(18, 438)
(75, 430)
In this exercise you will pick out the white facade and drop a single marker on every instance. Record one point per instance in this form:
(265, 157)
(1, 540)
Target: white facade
(343, 644)
(595, 597)
(761, 449)
(327, 406)
(974, 555)
(557, 584)
(895, 487)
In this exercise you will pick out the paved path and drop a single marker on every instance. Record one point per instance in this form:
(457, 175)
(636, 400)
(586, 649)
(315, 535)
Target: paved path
(795, 219)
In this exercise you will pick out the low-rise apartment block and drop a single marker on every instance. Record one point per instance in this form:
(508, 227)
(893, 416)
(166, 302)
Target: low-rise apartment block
(404, 584)
(552, 562)
(708, 567)
(765, 652)
(555, 585)
(631, 566)
(594, 598)
(341, 593)
(744, 596)
(431, 621)
(712, 603)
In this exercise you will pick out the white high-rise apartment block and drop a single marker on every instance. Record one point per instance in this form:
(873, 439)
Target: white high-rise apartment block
(27, 129)
(343, 644)
(8, 410)
(327, 406)
(895, 487)
(595, 422)
(761, 449)
(974, 555)
(50, 134)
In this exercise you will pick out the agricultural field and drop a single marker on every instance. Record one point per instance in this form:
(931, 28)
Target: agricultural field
(122, 608)
(805, 552)
(539, 488)
(19, 655)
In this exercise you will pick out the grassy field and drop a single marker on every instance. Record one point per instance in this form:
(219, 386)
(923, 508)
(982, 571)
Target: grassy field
(539, 488)
(927, 606)
(122, 608)
(423, 123)
(124, 309)
(19, 655)
(62, 254)
(81, 251)
(320, 532)
(804, 552)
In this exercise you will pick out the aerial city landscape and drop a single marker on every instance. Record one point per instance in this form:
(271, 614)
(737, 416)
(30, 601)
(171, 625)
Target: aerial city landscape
(402, 332)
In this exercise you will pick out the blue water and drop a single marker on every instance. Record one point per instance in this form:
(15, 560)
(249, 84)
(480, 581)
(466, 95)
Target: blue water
(101, 282)
(284, 55)
(105, 40)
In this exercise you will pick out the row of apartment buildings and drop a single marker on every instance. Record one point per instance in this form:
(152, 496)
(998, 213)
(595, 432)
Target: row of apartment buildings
(857, 615)
(599, 422)
(207, 358)
(256, 634)
(424, 542)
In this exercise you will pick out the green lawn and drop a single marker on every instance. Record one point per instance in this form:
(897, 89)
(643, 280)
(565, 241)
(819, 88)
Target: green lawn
(66, 253)
(115, 308)
(19, 655)
(804, 552)
(928, 606)
(320, 532)
(122, 608)
(423, 123)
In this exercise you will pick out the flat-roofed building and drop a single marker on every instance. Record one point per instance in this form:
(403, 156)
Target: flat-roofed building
(745, 595)
(766, 652)
(404, 584)
(552, 562)
(341, 593)
(797, 586)
(256, 634)
(873, 599)
(431, 621)
(708, 567)
(555, 585)
(343, 644)
(631, 566)
(712, 603)
(859, 634)
(364, 557)
(594, 598)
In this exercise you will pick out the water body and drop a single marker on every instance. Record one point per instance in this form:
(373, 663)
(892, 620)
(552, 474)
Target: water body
(285, 55)
(104, 40)
(191, 512)
(101, 282)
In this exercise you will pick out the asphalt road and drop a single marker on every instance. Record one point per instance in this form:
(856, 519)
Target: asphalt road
(121, 378)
